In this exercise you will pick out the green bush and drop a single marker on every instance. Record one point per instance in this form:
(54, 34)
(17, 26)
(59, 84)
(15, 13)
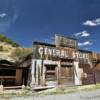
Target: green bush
(3, 38)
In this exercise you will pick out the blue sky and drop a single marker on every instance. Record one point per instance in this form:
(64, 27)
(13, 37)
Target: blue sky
(27, 20)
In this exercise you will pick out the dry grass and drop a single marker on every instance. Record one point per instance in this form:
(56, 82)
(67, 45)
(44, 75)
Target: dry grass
(65, 90)
(7, 94)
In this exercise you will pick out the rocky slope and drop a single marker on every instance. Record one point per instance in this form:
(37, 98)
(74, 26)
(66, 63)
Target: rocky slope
(11, 50)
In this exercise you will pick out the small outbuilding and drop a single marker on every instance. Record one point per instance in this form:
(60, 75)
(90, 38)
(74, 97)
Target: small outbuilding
(10, 73)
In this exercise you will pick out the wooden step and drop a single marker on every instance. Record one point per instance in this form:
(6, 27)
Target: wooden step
(13, 87)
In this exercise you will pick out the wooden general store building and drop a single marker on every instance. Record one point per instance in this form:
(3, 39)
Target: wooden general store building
(51, 65)
(63, 63)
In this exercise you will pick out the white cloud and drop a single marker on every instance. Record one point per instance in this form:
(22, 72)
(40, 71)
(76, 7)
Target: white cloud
(3, 15)
(10, 20)
(85, 43)
(95, 22)
(82, 34)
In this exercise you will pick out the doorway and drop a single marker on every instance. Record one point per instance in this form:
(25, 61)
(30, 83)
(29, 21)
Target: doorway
(25, 75)
(67, 75)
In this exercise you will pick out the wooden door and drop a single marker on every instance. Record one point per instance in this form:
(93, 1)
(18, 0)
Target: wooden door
(67, 75)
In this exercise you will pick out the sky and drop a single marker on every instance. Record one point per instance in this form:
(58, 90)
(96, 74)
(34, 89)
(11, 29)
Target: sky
(26, 21)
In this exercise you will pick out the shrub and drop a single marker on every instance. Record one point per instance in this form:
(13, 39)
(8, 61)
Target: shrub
(1, 48)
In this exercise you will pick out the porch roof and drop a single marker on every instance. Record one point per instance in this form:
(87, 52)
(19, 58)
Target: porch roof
(7, 64)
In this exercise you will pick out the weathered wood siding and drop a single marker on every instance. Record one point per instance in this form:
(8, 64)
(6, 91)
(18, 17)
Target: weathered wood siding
(88, 74)
(97, 73)
(65, 41)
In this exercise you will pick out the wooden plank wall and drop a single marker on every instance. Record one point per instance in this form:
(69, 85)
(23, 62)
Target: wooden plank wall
(97, 73)
(90, 78)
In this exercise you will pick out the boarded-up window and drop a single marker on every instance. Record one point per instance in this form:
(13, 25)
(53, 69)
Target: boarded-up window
(50, 72)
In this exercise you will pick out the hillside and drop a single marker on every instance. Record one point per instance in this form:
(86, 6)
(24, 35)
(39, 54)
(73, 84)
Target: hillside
(11, 50)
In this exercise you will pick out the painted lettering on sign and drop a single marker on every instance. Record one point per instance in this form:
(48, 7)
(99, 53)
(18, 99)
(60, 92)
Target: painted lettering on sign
(62, 53)
(53, 52)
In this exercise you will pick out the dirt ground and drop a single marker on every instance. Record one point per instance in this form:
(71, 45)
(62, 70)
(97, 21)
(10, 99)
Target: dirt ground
(82, 95)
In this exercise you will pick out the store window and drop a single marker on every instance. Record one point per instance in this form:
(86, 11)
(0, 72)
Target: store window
(50, 72)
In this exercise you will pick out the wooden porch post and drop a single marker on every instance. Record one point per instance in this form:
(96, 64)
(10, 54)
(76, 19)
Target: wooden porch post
(59, 73)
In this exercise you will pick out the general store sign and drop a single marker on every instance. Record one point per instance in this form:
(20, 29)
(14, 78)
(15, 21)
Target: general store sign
(61, 53)
(54, 52)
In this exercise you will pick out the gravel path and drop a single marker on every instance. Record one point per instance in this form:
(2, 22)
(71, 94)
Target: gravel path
(89, 95)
